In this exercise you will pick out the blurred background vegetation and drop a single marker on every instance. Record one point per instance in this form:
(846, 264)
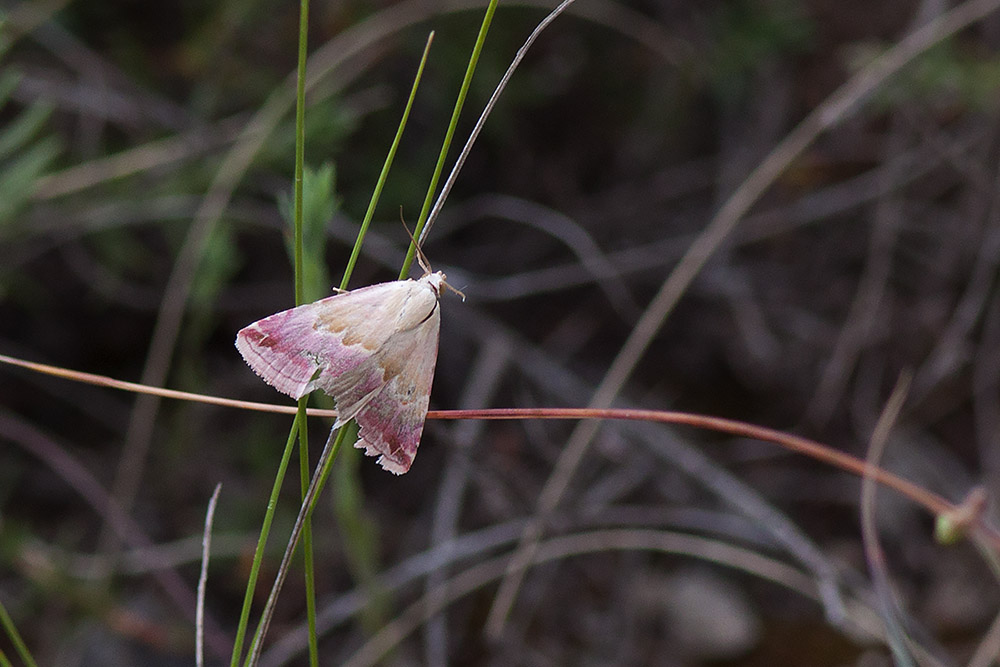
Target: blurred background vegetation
(146, 153)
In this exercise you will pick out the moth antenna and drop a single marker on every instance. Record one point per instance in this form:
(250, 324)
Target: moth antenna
(456, 291)
(422, 260)
(421, 257)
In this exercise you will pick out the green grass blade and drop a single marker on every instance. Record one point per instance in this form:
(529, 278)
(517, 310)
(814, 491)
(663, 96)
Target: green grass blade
(328, 455)
(258, 555)
(9, 80)
(384, 174)
(304, 470)
(15, 638)
(20, 131)
(463, 92)
(19, 176)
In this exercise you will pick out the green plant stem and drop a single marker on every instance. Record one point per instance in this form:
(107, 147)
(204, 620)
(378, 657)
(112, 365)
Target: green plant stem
(384, 174)
(326, 459)
(449, 134)
(304, 468)
(308, 563)
(15, 638)
(258, 555)
(300, 145)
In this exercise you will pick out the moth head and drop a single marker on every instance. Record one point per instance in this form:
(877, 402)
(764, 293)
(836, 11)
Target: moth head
(437, 280)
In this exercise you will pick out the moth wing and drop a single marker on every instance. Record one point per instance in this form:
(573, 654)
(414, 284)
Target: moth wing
(304, 348)
(392, 417)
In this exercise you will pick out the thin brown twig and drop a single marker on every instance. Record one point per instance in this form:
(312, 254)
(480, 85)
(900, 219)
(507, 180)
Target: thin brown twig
(934, 503)
(886, 596)
(206, 550)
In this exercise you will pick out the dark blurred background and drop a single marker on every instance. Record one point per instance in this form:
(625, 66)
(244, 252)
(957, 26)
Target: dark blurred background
(627, 127)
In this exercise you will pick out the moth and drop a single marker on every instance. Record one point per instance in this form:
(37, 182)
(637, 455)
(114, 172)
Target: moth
(372, 349)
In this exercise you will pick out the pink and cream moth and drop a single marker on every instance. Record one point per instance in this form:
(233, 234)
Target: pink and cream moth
(372, 349)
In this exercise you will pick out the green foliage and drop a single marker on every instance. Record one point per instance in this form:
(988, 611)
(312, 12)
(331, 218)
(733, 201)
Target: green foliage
(946, 76)
(219, 263)
(748, 33)
(25, 153)
(7, 623)
(10, 473)
(15, 535)
(329, 123)
(5, 34)
(123, 254)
